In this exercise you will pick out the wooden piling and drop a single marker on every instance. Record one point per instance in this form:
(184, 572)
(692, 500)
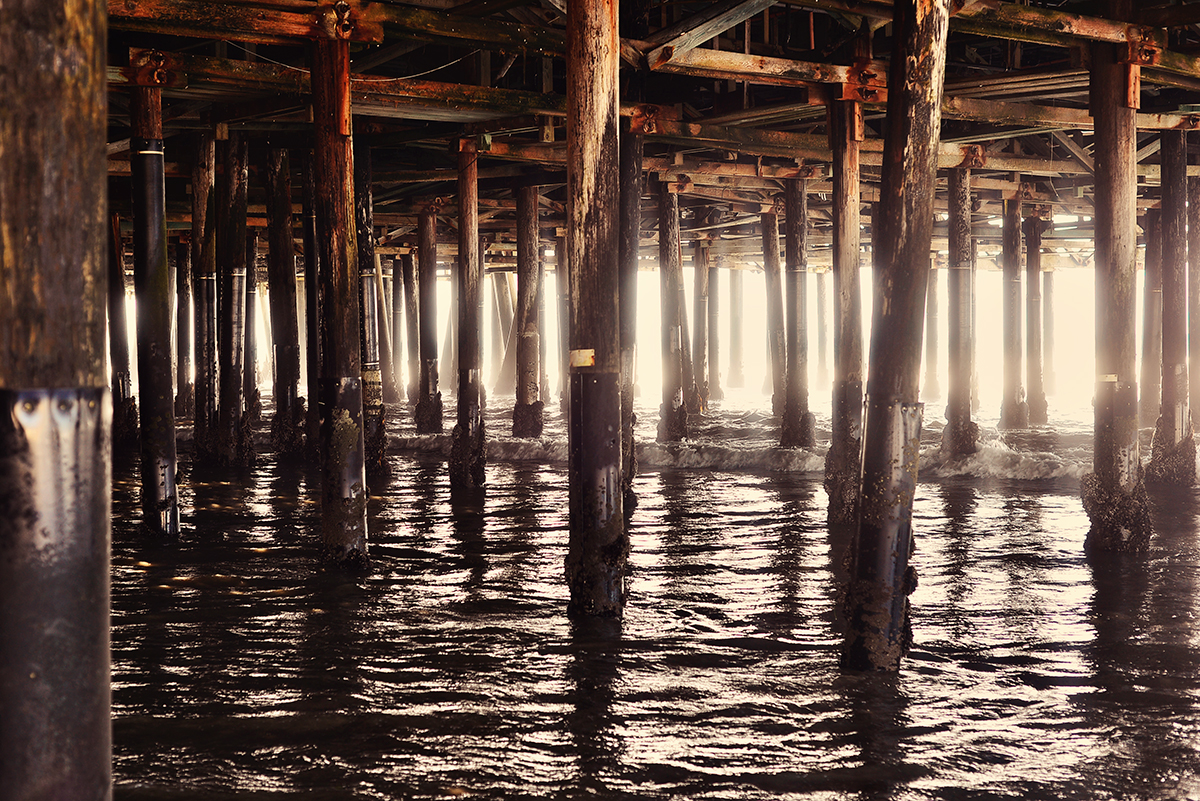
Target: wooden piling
(776, 347)
(1036, 397)
(185, 390)
(1049, 380)
(878, 627)
(152, 288)
(312, 304)
(429, 399)
(287, 429)
(1114, 496)
(253, 409)
(1152, 319)
(700, 273)
(1193, 282)
(737, 375)
(343, 492)
(933, 389)
(412, 320)
(527, 411)
(204, 260)
(467, 455)
(55, 412)
(842, 462)
(1014, 411)
(369, 309)
(672, 413)
(822, 329)
(632, 145)
(799, 425)
(504, 341)
(1173, 459)
(715, 392)
(960, 437)
(230, 441)
(124, 424)
(598, 544)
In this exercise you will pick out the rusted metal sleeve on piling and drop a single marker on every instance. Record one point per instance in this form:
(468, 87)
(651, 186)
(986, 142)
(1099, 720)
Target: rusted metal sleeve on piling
(344, 497)
(632, 146)
(287, 428)
(429, 400)
(527, 411)
(1114, 496)
(798, 428)
(960, 436)
(672, 423)
(598, 544)
(878, 628)
(152, 287)
(1036, 398)
(369, 307)
(231, 305)
(842, 461)
(467, 455)
(1014, 412)
(777, 347)
(55, 412)
(1173, 458)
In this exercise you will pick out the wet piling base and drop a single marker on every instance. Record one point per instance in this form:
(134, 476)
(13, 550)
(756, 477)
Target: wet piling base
(878, 624)
(599, 544)
(799, 428)
(468, 452)
(527, 419)
(842, 465)
(960, 437)
(1172, 463)
(287, 428)
(344, 495)
(429, 414)
(1120, 519)
(374, 423)
(672, 423)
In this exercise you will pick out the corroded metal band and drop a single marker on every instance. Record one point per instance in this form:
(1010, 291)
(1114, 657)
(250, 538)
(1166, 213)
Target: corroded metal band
(53, 441)
(55, 464)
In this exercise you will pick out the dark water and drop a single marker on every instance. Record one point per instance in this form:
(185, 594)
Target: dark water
(241, 670)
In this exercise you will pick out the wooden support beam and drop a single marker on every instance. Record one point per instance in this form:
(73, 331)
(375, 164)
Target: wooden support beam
(245, 22)
(56, 461)
(878, 627)
(675, 40)
(598, 546)
(344, 491)
(1114, 496)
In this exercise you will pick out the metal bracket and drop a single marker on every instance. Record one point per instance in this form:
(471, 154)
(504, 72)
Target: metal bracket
(974, 157)
(148, 68)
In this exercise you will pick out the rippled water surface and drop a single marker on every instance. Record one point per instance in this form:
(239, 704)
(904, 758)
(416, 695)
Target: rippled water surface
(242, 670)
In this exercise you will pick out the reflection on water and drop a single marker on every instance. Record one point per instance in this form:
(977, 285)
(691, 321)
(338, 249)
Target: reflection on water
(242, 670)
